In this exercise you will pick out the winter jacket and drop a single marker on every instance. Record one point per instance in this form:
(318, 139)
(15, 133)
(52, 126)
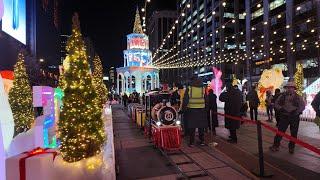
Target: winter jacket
(233, 103)
(194, 117)
(290, 104)
(316, 104)
(253, 99)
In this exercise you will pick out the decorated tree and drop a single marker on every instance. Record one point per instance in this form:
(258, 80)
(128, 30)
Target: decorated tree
(97, 75)
(20, 98)
(81, 129)
(137, 28)
(298, 79)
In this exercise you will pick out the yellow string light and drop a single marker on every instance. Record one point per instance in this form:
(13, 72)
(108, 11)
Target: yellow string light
(20, 98)
(80, 127)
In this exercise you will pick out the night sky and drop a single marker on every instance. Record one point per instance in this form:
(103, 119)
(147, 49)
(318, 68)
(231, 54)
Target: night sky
(107, 22)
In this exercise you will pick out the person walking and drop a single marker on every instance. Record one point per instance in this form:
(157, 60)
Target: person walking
(316, 104)
(277, 93)
(125, 99)
(254, 103)
(289, 105)
(233, 102)
(193, 109)
(211, 106)
(269, 105)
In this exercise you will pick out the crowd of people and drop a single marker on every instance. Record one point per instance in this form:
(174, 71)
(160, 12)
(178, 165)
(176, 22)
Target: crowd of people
(198, 107)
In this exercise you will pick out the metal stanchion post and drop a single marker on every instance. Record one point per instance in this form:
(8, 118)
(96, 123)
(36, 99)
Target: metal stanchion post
(261, 171)
(211, 143)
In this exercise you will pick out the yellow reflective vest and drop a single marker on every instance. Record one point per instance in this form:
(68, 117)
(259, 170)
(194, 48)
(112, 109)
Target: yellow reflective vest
(196, 98)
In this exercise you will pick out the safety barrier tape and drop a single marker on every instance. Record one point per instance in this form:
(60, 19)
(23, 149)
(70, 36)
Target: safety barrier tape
(276, 131)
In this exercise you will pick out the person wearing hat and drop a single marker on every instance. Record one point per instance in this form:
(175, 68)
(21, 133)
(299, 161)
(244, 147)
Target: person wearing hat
(289, 105)
(193, 109)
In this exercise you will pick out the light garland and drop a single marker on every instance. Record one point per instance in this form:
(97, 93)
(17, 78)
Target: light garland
(162, 61)
(298, 79)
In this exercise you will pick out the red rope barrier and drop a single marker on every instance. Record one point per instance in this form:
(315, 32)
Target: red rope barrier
(276, 131)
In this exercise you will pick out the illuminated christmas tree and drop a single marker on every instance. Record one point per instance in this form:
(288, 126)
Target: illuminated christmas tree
(97, 75)
(137, 28)
(81, 129)
(298, 79)
(20, 98)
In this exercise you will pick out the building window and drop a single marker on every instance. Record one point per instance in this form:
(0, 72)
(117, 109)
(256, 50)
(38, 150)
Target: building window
(304, 7)
(257, 13)
(273, 20)
(276, 4)
(201, 7)
(194, 13)
(228, 15)
(201, 15)
(303, 27)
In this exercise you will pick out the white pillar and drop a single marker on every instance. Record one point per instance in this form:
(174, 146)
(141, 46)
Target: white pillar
(118, 89)
(130, 83)
(152, 82)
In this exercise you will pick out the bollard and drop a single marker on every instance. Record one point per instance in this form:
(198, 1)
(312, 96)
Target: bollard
(261, 171)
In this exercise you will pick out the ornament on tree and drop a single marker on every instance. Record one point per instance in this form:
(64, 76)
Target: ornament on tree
(20, 98)
(298, 79)
(80, 128)
(97, 80)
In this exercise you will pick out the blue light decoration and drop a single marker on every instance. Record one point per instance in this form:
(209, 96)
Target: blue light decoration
(1, 9)
(14, 19)
(137, 53)
(50, 99)
(15, 12)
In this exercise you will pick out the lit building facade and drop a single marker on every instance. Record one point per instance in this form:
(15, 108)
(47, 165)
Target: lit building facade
(158, 26)
(137, 74)
(243, 38)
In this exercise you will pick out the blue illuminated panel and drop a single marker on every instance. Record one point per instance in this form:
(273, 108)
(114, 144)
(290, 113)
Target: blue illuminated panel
(14, 19)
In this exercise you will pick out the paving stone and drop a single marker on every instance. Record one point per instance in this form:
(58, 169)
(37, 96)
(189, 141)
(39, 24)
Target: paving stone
(227, 173)
(206, 161)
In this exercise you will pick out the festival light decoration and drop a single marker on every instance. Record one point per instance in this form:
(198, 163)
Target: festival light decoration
(97, 80)
(81, 129)
(270, 80)
(20, 98)
(298, 79)
(241, 55)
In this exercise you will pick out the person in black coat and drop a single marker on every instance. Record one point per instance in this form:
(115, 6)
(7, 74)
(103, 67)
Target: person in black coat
(211, 106)
(233, 102)
(254, 102)
(277, 93)
(316, 104)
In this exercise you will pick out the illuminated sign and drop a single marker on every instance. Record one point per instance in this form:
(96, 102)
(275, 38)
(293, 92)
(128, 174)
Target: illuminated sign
(14, 19)
(137, 43)
(137, 53)
(1, 9)
(137, 57)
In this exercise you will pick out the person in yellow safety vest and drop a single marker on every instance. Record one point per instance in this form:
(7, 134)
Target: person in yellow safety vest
(193, 109)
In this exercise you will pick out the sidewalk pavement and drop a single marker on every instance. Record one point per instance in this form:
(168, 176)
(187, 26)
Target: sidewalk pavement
(303, 163)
